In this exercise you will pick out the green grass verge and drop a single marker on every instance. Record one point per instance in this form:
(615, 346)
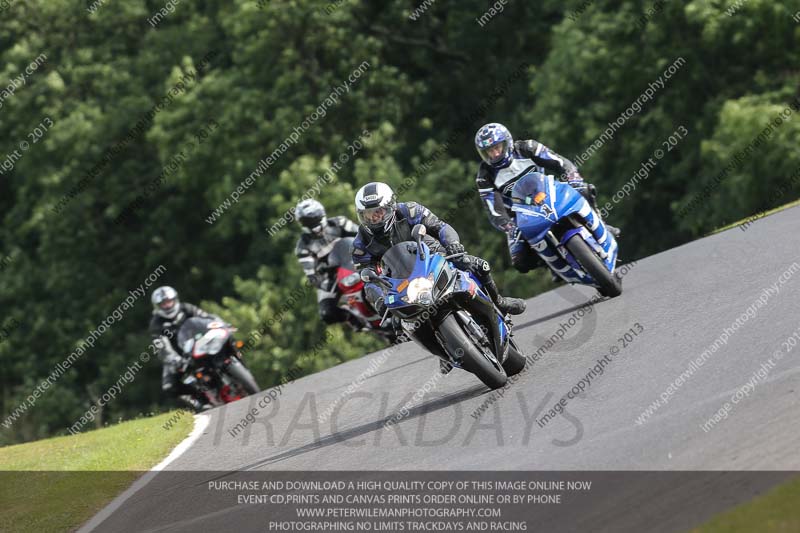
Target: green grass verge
(58, 484)
(777, 511)
(771, 211)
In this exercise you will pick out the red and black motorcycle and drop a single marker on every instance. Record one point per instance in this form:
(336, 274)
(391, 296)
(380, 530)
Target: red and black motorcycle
(213, 362)
(350, 289)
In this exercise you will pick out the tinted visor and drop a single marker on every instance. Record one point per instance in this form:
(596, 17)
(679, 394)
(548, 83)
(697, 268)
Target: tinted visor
(167, 304)
(310, 222)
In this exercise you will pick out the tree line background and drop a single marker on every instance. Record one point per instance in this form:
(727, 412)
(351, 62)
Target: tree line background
(551, 70)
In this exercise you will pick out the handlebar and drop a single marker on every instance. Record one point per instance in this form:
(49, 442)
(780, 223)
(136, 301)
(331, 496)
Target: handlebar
(370, 276)
(448, 257)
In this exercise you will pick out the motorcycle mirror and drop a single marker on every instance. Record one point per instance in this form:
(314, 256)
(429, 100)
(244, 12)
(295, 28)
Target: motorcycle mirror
(366, 275)
(418, 232)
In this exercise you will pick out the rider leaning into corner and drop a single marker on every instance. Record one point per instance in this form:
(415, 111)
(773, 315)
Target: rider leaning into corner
(169, 314)
(385, 222)
(319, 235)
(504, 163)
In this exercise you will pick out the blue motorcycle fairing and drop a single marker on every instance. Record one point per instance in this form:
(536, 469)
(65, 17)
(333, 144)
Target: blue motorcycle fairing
(598, 237)
(539, 203)
(468, 278)
(560, 200)
(432, 264)
(501, 324)
(431, 267)
(568, 235)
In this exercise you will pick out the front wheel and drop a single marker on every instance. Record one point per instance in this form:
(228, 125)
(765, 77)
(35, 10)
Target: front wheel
(472, 359)
(242, 375)
(610, 285)
(515, 361)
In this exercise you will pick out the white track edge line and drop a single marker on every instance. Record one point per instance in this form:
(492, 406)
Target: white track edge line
(200, 424)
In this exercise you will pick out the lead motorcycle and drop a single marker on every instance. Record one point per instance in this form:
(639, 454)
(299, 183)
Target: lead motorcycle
(446, 310)
(563, 229)
(213, 363)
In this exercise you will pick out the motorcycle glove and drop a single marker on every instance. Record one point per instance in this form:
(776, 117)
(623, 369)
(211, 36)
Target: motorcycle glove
(173, 359)
(454, 248)
(510, 227)
(166, 352)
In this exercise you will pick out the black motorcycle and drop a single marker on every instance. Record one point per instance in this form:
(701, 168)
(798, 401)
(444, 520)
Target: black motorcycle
(213, 363)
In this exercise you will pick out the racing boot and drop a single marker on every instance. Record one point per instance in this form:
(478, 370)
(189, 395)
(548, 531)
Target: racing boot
(590, 193)
(613, 230)
(194, 403)
(509, 306)
(356, 323)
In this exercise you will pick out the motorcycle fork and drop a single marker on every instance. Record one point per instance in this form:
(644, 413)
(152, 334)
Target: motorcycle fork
(427, 337)
(487, 319)
(479, 336)
(553, 242)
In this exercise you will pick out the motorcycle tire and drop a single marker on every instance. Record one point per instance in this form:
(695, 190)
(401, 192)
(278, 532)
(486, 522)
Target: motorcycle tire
(610, 285)
(472, 359)
(242, 375)
(515, 361)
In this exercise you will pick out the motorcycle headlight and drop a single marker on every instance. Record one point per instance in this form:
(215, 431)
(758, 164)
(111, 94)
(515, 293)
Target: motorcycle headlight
(211, 342)
(420, 291)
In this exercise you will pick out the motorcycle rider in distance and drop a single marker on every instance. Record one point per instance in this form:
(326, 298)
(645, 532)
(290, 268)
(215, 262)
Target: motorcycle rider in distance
(169, 314)
(504, 162)
(384, 222)
(315, 243)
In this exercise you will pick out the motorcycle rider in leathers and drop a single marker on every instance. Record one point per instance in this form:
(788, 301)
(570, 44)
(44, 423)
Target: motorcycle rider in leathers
(384, 222)
(319, 235)
(504, 163)
(169, 314)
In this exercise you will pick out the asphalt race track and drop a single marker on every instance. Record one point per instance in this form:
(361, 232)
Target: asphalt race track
(678, 303)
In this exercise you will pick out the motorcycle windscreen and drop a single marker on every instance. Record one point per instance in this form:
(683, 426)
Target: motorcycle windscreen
(399, 261)
(531, 203)
(193, 328)
(342, 254)
(539, 202)
(531, 189)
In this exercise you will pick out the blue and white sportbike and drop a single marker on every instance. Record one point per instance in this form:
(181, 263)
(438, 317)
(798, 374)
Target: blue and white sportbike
(564, 230)
(446, 310)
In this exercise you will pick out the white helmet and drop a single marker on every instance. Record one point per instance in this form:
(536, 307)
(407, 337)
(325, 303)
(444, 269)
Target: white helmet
(375, 206)
(165, 301)
(311, 215)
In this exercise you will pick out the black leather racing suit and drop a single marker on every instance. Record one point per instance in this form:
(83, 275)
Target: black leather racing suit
(164, 332)
(312, 250)
(368, 249)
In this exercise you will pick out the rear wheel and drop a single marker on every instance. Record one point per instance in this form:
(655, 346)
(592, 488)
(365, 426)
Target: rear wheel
(242, 376)
(472, 358)
(610, 285)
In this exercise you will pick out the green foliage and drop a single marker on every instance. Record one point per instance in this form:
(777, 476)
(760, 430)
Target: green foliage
(558, 72)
